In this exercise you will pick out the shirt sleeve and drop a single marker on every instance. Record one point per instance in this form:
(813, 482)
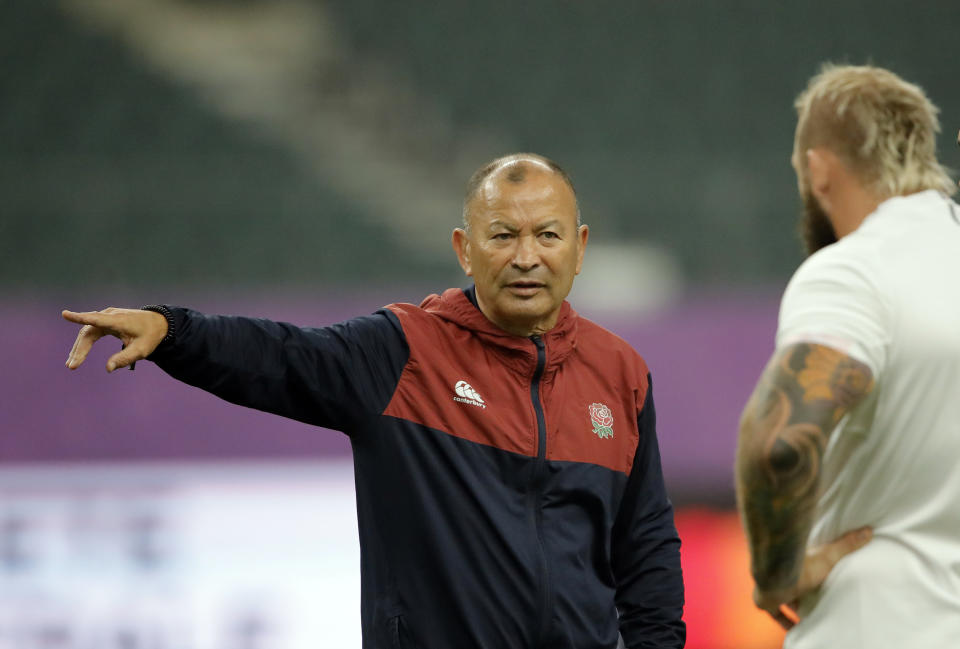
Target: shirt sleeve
(338, 377)
(646, 550)
(834, 300)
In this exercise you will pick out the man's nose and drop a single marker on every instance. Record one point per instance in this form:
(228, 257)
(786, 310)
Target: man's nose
(526, 256)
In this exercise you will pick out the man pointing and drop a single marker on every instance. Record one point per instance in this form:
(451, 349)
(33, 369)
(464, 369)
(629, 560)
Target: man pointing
(509, 490)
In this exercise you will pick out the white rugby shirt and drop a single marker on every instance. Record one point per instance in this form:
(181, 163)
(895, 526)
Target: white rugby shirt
(888, 295)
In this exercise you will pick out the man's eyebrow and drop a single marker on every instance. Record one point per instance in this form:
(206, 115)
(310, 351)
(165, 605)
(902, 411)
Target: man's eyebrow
(497, 223)
(552, 223)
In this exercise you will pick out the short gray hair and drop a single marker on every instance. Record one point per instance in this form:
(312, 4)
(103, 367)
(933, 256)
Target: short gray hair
(518, 163)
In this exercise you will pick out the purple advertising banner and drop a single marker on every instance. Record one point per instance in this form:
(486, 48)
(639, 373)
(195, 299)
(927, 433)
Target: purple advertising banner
(705, 353)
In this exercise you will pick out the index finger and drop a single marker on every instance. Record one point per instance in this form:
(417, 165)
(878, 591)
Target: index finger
(849, 542)
(787, 622)
(95, 318)
(789, 611)
(774, 607)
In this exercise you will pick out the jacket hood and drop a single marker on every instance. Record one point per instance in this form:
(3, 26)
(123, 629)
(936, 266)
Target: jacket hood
(455, 306)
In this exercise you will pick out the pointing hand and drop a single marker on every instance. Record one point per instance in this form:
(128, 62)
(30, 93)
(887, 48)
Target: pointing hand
(140, 331)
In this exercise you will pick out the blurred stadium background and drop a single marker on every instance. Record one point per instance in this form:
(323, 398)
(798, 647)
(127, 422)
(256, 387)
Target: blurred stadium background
(304, 160)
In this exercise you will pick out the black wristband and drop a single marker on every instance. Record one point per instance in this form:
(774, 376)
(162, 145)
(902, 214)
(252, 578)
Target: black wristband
(171, 325)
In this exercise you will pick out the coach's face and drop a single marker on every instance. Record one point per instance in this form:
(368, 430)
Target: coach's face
(522, 247)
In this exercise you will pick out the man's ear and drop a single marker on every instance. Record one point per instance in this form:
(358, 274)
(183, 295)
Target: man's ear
(820, 167)
(461, 246)
(583, 233)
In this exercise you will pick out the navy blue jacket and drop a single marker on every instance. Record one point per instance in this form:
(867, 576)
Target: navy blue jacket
(509, 490)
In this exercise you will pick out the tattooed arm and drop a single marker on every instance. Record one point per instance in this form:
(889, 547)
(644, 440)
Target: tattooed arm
(802, 394)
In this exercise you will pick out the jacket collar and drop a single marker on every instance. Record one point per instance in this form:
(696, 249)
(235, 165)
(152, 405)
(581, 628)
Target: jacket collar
(455, 305)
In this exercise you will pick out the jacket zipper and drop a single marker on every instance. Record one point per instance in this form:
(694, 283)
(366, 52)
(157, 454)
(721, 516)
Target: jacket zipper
(535, 490)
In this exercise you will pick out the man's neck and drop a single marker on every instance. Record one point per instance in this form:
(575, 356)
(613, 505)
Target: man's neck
(852, 205)
(524, 330)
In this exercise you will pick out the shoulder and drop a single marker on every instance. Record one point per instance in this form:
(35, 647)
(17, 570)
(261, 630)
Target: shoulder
(602, 346)
(410, 318)
(405, 310)
(840, 297)
(880, 239)
(841, 278)
(852, 263)
(426, 331)
(414, 318)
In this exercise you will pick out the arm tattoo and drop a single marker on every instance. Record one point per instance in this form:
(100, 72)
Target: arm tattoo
(801, 396)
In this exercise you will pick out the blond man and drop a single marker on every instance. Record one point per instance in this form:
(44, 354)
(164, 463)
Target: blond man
(848, 462)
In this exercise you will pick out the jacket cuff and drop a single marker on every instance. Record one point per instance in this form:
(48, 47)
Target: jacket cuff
(171, 336)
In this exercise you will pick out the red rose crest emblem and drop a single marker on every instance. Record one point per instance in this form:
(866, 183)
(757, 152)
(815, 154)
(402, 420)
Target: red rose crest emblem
(602, 420)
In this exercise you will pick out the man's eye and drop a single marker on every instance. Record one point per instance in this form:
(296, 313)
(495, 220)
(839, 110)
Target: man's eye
(501, 236)
(550, 235)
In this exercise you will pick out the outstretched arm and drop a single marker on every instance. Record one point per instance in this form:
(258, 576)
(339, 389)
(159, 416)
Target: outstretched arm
(340, 376)
(801, 396)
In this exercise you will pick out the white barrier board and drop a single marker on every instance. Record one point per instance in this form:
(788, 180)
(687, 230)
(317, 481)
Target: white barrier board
(179, 556)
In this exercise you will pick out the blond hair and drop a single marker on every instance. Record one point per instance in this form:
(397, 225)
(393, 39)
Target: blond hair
(882, 127)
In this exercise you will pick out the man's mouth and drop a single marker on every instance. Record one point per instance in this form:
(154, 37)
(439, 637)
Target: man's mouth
(525, 287)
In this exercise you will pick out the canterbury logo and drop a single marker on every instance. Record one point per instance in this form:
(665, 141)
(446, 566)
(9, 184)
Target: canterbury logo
(466, 394)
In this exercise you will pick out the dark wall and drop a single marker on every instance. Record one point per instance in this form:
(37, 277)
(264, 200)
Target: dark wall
(112, 175)
(674, 118)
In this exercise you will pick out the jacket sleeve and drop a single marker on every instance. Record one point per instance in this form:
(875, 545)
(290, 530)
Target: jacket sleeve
(646, 550)
(337, 377)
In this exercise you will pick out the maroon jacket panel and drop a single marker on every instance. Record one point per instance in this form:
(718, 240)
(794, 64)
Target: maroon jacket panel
(469, 379)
